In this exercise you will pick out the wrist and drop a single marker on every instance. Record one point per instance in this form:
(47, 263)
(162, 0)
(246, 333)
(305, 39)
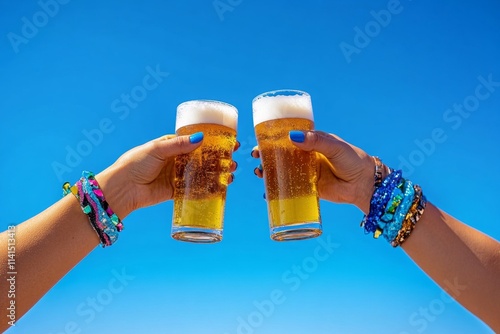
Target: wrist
(366, 186)
(365, 189)
(116, 189)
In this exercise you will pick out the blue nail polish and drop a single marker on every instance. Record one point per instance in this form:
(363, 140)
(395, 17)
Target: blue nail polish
(195, 138)
(297, 136)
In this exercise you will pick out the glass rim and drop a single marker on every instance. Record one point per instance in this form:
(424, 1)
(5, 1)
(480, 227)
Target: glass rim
(208, 101)
(281, 92)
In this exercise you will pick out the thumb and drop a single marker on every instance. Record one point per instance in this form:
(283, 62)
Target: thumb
(327, 144)
(171, 146)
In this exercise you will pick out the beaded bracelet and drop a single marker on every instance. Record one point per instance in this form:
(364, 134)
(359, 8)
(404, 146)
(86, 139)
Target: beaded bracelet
(379, 201)
(391, 231)
(102, 219)
(412, 217)
(387, 217)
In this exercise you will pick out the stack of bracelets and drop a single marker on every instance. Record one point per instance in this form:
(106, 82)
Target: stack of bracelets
(395, 207)
(103, 220)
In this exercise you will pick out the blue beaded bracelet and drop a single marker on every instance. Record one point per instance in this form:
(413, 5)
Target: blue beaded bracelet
(391, 230)
(380, 198)
(412, 217)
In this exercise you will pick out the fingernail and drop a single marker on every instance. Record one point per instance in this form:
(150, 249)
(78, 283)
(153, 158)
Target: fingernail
(297, 136)
(195, 138)
(251, 153)
(259, 168)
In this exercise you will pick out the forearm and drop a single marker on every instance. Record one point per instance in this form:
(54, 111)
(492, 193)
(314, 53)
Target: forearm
(47, 247)
(50, 244)
(462, 260)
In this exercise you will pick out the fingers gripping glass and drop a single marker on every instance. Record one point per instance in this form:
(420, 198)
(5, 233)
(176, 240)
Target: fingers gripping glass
(202, 176)
(290, 174)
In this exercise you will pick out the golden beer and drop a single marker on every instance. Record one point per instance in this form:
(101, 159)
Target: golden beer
(202, 176)
(290, 174)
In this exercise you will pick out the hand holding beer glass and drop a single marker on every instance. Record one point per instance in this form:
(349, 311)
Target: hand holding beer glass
(290, 174)
(202, 176)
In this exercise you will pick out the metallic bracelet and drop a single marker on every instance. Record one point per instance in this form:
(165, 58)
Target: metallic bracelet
(378, 172)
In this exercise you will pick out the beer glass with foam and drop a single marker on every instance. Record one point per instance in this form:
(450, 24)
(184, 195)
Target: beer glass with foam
(290, 174)
(202, 176)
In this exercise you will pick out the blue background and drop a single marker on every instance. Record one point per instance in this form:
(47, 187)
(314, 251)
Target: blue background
(386, 97)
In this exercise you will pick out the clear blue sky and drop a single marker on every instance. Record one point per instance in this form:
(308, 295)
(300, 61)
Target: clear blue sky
(388, 86)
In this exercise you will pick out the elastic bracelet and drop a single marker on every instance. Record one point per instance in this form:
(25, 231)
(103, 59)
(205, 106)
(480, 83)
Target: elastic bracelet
(408, 223)
(397, 196)
(412, 218)
(387, 217)
(380, 198)
(391, 231)
(102, 218)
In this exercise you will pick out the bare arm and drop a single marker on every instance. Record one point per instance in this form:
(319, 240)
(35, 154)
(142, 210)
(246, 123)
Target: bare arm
(47, 247)
(50, 244)
(462, 260)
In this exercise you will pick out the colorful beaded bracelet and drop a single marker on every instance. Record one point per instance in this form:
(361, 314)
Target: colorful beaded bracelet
(412, 217)
(380, 198)
(102, 219)
(387, 217)
(391, 230)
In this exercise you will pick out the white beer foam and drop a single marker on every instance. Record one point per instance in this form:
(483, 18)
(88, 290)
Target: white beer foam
(211, 112)
(282, 106)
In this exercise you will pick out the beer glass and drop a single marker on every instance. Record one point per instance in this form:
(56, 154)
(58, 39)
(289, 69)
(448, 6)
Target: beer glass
(290, 174)
(202, 176)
